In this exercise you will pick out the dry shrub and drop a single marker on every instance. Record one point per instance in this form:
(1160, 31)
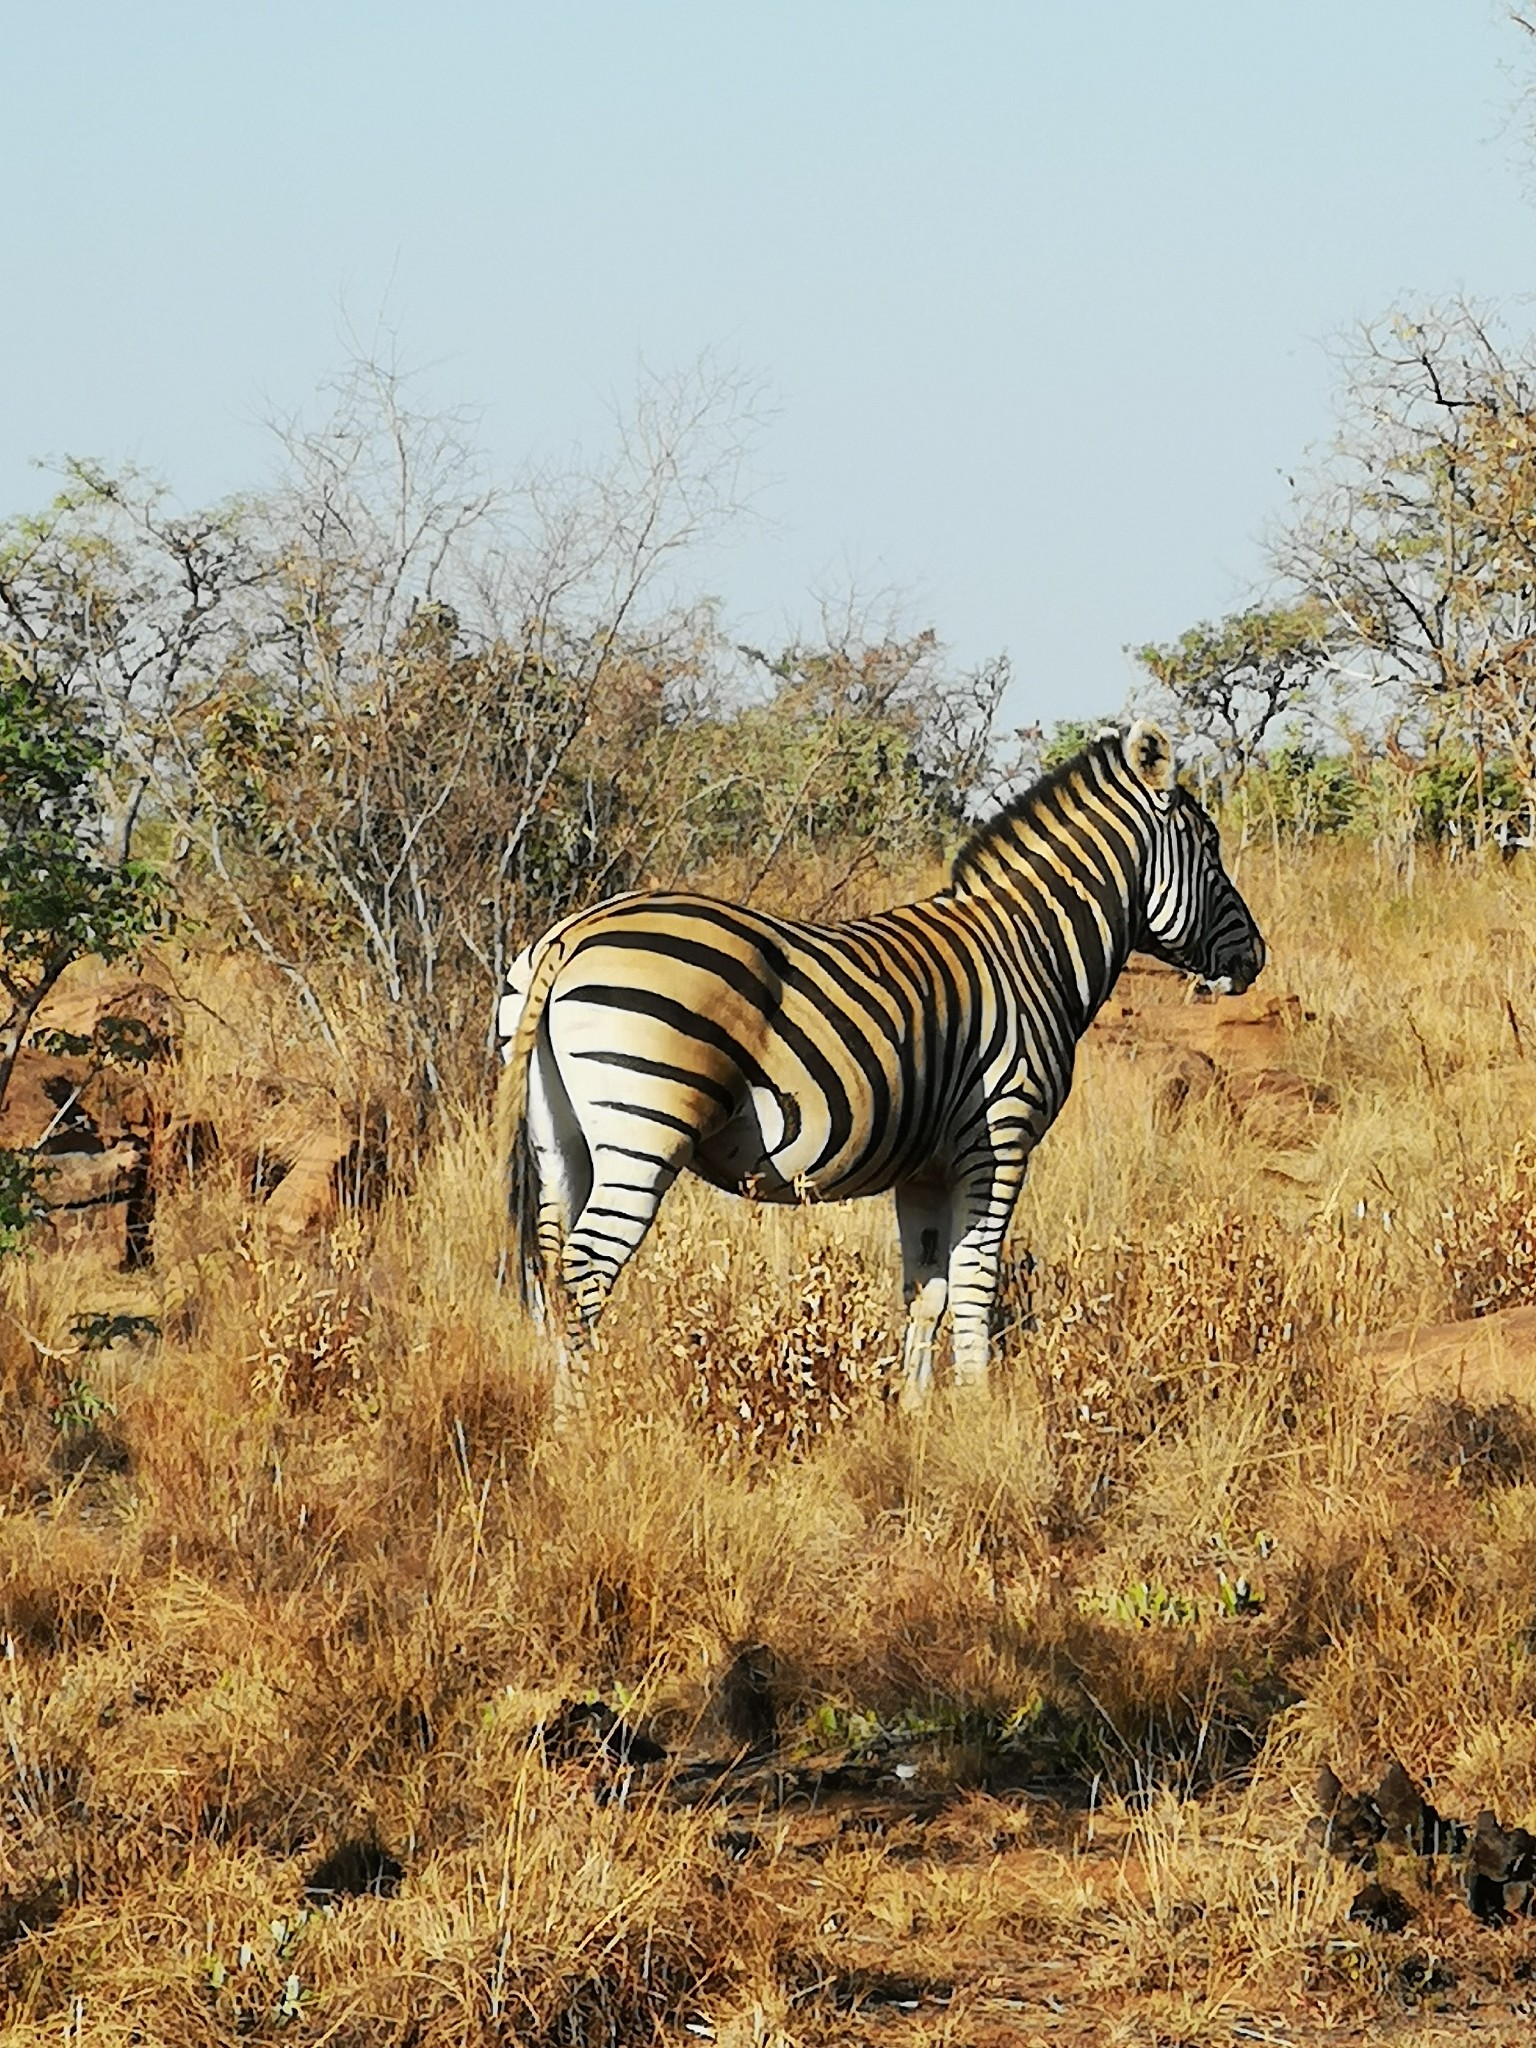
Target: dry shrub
(1220, 1289)
(1476, 1447)
(59, 1583)
(563, 1925)
(1210, 1321)
(634, 1559)
(1206, 1923)
(774, 1360)
(1178, 1693)
(29, 1384)
(240, 1749)
(963, 1483)
(1415, 1646)
(312, 1328)
(1486, 1240)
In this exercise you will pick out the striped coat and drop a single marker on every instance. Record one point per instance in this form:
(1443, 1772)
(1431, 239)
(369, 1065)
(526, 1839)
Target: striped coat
(925, 1050)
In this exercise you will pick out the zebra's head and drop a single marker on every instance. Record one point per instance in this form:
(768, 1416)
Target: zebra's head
(1193, 916)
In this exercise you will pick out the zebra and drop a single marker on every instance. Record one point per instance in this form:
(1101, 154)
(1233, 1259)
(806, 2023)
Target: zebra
(925, 1050)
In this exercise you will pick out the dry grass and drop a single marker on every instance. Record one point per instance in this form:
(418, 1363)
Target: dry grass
(309, 1568)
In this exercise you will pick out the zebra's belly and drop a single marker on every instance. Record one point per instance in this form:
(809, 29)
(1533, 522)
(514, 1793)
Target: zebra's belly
(752, 1153)
(770, 1152)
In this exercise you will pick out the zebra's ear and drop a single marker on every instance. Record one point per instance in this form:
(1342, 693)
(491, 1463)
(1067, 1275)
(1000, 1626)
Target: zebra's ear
(1149, 756)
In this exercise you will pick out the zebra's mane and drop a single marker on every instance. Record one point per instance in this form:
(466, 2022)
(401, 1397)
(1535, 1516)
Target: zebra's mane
(1023, 805)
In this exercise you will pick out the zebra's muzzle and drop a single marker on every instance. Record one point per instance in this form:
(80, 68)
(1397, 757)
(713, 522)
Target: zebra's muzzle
(1242, 972)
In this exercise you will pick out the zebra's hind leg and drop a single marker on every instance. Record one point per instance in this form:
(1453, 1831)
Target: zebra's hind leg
(923, 1219)
(583, 1305)
(627, 1185)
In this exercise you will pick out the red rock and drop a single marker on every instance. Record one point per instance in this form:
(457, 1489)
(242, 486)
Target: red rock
(1483, 1362)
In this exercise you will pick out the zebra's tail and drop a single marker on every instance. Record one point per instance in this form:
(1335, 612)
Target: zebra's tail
(514, 1138)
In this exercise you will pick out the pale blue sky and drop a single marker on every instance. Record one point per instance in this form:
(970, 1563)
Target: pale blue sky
(1040, 292)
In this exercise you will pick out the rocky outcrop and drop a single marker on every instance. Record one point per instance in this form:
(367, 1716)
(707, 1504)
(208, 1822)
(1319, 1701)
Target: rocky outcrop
(82, 1102)
(1241, 1049)
(1483, 1362)
(341, 1159)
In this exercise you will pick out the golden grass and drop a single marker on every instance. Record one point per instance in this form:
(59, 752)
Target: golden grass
(309, 1567)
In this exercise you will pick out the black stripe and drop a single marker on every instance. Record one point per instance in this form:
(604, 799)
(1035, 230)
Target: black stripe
(651, 1116)
(687, 1023)
(663, 1070)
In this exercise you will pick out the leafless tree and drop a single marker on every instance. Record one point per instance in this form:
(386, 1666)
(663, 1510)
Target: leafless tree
(1420, 541)
(389, 712)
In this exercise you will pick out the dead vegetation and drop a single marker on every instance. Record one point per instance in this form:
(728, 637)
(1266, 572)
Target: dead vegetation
(333, 1685)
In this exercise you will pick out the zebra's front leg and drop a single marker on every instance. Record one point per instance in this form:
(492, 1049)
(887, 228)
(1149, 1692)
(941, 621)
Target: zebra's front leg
(982, 1210)
(922, 1217)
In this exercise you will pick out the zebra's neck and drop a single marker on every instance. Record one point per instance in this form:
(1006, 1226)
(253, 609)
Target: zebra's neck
(1063, 866)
